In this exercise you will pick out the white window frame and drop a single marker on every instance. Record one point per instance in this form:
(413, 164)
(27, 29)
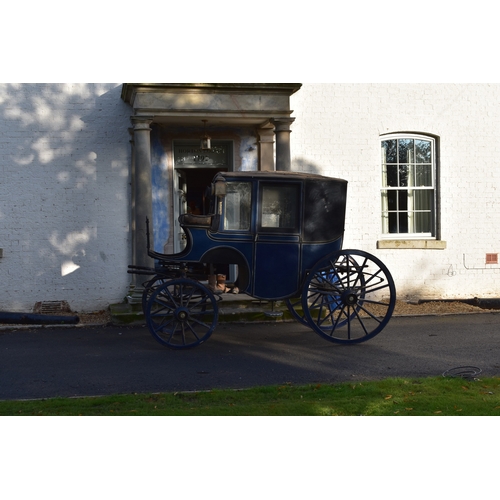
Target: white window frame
(385, 234)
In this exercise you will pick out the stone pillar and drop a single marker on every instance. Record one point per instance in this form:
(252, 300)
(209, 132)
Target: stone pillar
(282, 132)
(266, 148)
(142, 201)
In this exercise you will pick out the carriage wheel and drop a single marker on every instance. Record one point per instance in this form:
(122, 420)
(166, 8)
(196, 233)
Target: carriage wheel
(181, 313)
(295, 307)
(295, 303)
(149, 288)
(348, 297)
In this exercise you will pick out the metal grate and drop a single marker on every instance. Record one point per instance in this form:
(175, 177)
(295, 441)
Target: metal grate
(51, 307)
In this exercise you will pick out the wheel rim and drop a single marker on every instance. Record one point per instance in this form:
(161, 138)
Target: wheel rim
(149, 288)
(181, 313)
(295, 307)
(349, 297)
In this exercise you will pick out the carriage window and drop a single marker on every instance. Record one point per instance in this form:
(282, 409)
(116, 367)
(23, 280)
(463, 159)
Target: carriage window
(280, 207)
(237, 206)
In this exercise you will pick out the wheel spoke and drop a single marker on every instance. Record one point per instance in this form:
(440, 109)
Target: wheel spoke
(360, 320)
(359, 274)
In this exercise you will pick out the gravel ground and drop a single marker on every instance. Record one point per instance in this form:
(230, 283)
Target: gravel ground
(436, 307)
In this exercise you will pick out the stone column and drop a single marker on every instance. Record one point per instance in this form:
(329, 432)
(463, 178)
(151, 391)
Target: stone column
(266, 148)
(142, 201)
(282, 132)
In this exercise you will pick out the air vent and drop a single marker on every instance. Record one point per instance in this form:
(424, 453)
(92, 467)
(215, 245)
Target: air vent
(51, 307)
(491, 258)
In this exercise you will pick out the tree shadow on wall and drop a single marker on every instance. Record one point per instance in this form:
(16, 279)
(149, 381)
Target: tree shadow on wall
(64, 217)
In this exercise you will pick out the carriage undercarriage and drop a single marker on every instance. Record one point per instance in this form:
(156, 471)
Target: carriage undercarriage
(347, 298)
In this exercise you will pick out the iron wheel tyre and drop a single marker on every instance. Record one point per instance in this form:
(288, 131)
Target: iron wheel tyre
(295, 307)
(181, 313)
(348, 297)
(149, 287)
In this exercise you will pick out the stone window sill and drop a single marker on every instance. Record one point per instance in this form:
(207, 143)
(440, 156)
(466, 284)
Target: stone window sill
(412, 244)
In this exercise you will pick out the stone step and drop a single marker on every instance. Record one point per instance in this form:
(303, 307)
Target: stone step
(232, 308)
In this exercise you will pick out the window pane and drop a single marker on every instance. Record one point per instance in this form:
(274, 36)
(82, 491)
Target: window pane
(280, 206)
(423, 175)
(422, 221)
(403, 200)
(405, 150)
(392, 176)
(423, 151)
(237, 206)
(392, 200)
(422, 199)
(403, 222)
(389, 151)
(403, 175)
(393, 222)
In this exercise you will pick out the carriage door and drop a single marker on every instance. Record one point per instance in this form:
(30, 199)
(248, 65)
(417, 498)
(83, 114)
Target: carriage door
(277, 245)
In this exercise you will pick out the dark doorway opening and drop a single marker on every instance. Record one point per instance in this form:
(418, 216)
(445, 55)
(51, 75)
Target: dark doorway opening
(197, 181)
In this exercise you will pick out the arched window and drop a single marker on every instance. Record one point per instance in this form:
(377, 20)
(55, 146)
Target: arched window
(408, 186)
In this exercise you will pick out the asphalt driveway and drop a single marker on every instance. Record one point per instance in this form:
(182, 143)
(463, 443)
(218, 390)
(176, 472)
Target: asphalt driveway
(87, 361)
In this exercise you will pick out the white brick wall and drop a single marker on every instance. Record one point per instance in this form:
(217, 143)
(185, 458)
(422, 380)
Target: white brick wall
(64, 195)
(64, 203)
(336, 132)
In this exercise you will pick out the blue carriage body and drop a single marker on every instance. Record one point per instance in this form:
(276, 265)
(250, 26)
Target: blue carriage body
(275, 226)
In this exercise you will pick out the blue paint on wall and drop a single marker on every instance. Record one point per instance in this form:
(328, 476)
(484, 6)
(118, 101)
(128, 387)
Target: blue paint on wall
(159, 180)
(248, 153)
(246, 150)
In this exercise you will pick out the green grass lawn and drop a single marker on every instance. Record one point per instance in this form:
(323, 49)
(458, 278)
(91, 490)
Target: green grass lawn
(419, 397)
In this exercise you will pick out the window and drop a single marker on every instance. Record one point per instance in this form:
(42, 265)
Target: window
(280, 207)
(237, 206)
(408, 186)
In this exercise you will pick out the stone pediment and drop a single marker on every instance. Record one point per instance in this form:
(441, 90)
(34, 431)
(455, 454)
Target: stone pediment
(222, 103)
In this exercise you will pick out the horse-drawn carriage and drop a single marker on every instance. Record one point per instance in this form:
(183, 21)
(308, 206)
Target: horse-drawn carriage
(282, 233)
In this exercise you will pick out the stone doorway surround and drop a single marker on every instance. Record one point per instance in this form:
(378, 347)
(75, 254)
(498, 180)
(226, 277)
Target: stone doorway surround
(265, 106)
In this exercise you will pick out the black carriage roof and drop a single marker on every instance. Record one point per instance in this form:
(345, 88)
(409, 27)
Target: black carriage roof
(278, 176)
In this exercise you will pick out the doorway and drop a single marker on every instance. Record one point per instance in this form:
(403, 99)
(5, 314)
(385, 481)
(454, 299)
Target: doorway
(194, 170)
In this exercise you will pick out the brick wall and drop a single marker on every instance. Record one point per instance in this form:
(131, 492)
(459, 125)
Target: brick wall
(337, 132)
(64, 202)
(64, 195)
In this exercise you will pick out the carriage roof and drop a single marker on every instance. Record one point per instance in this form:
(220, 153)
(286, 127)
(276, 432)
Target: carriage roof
(323, 200)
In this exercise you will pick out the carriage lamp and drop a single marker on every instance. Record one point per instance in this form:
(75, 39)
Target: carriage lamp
(205, 140)
(219, 189)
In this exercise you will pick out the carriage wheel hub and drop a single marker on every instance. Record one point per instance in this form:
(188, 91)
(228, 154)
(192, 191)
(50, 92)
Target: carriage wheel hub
(349, 298)
(181, 314)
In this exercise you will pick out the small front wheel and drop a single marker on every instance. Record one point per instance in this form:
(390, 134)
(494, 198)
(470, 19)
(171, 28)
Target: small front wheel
(348, 297)
(181, 313)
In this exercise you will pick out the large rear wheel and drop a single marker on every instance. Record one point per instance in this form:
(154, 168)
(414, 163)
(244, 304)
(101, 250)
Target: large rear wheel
(348, 297)
(294, 304)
